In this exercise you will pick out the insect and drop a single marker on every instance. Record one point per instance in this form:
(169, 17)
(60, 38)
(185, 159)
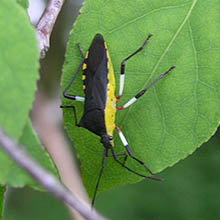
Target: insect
(100, 102)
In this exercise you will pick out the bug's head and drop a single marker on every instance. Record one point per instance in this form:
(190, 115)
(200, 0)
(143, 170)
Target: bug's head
(106, 140)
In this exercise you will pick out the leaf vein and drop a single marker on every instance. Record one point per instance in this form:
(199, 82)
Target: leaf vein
(196, 77)
(144, 15)
(172, 40)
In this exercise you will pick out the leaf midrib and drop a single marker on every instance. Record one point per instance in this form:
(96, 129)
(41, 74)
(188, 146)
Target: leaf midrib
(163, 54)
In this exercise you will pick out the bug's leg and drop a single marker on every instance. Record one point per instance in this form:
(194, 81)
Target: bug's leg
(74, 111)
(73, 97)
(122, 74)
(132, 171)
(77, 98)
(125, 159)
(100, 175)
(142, 92)
(121, 154)
(81, 51)
(125, 143)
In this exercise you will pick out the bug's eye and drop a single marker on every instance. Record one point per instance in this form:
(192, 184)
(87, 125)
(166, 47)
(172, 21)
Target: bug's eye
(110, 138)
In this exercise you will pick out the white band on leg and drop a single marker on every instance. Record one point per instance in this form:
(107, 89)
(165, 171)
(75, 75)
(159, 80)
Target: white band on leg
(130, 102)
(122, 82)
(123, 139)
(80, 99)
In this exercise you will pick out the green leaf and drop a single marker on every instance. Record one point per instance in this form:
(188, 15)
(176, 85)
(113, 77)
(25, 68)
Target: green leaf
(180, 112)
(2, 200)
(19, 67)
(19, 73)
(23, 3)
(190, 177)
(12, 174)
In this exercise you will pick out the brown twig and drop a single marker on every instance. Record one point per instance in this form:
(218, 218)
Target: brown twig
(47, 121)
(45, 25)
(44, 178)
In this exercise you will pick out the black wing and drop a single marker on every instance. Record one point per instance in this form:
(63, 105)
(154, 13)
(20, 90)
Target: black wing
(95, 82)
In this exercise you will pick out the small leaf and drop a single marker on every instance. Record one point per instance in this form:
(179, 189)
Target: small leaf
(2, 200)
(12, 174)
(180, 112)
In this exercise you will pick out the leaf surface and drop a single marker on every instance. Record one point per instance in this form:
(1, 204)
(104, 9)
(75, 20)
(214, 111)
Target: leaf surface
(19, 65)
(180, 112)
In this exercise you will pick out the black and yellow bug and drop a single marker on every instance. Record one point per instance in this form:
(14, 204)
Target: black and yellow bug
(100, 101)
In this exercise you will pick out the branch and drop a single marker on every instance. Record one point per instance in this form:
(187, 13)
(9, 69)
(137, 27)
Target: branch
(47, 121)
(44, 178)
(45, 25)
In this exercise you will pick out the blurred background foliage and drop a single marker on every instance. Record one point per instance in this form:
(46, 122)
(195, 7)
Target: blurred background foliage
(190, 190)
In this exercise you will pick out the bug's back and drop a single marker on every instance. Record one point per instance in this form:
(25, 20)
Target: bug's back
(99, 89)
